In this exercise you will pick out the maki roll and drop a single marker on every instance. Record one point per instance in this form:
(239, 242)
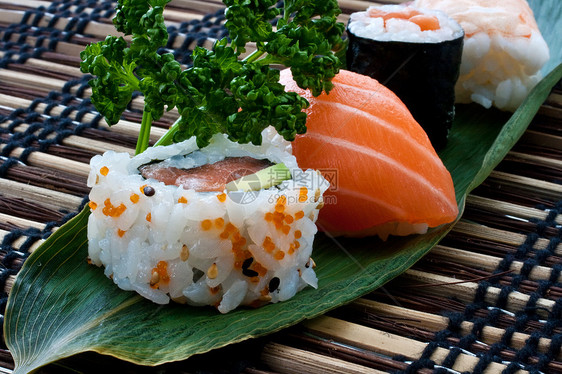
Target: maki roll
(416, 53)
(226, 225)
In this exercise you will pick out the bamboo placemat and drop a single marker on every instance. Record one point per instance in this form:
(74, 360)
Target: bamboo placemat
(486, 299)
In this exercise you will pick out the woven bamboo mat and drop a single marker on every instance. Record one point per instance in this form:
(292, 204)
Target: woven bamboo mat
(487, 299)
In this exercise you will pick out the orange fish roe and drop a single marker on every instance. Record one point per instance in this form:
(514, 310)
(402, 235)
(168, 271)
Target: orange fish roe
(260, 269)
(240, 242)
(121, 233)
(280, 204)
(230, 228)
(104, 171)
(268, 244)
(282, 220)
(282, 200)
(279, 255)
(240, 255)
(219, 222)
(182, 200)
(236, 236)
(221, 197)
(92, 205)
(303, 194)
(237, 239)
(298, 234)
(297, 244)
(141, 188)
(112, 211)
(206, 224)
(291, 249)
(160, 275)
(134, 198)
(149, 217)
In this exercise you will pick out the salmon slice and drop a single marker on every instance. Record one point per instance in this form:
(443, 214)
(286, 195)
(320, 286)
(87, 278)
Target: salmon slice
(209, 177)
(425, 22)
(380, 161)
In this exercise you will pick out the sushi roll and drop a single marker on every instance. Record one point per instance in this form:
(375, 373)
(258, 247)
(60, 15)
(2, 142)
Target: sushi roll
(503, 50)
(182, 223)
(416, 53)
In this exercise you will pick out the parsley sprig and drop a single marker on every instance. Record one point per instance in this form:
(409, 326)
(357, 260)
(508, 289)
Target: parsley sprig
(221, 92)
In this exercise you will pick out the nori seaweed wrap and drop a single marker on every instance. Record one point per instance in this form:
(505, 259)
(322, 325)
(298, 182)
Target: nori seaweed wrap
(418, 62)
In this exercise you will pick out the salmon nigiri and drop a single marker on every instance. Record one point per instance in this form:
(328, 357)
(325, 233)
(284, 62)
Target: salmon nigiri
(386, 178)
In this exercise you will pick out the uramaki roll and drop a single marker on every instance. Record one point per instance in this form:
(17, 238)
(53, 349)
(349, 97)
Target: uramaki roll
(221, 248)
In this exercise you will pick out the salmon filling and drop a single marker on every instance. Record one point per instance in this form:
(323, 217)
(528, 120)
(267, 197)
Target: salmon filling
(424, 21)
(205, 178)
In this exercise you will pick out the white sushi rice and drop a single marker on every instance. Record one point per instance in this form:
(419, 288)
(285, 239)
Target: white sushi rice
(402, 30)
(204, 248)
(502, 56)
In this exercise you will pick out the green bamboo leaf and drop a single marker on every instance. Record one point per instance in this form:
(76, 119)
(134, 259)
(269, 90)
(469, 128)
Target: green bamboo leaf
(60, 306)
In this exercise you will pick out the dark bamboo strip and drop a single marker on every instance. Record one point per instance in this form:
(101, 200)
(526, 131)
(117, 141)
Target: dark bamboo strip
(492, 191)
(28, 210)
(57, 180)
(539, 136)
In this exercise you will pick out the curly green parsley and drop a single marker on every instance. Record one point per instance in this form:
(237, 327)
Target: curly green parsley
(221, 92)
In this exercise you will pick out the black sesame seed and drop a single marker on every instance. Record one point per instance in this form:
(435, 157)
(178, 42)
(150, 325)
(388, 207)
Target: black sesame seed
(274, 284)
(148, 191)
(250, 273)
(247, 262)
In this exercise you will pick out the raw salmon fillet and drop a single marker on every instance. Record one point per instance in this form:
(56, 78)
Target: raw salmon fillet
(209, 177)
(382, 166)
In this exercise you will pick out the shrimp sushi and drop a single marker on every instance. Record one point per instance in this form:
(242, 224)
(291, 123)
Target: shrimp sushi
(386, 177)
(503, 50)
(414, 52)
(182, 223)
